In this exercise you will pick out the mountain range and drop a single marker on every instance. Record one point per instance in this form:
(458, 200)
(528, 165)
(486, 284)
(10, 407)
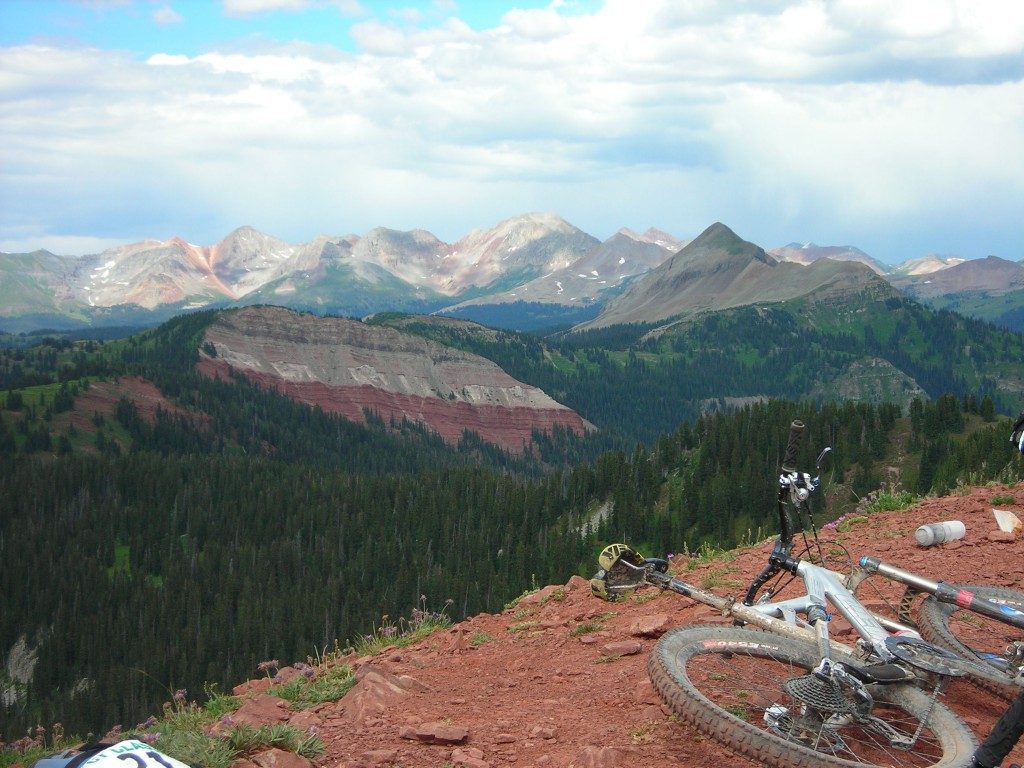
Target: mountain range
(531, 271)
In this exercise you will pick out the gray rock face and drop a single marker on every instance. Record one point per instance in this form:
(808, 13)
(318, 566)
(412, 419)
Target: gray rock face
(345, 366)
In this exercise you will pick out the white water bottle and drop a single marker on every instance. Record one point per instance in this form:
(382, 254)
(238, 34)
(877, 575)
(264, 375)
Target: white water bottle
(940, 533)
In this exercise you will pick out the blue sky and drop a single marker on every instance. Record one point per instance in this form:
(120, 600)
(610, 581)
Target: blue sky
(192, 27)
(896, 126)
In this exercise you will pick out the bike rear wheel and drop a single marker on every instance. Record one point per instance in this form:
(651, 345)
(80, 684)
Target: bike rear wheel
(974, 636)
(735, 686)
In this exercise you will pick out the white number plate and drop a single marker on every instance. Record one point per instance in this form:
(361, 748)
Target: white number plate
(132, 754)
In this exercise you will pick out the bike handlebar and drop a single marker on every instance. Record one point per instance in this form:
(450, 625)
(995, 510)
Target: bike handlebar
(780, 557)
(796, 433)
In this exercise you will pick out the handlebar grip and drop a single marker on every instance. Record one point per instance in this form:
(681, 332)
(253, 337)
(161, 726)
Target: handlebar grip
(796, 433)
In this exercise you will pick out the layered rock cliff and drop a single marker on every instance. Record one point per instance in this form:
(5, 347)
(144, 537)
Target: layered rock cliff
(348, 367)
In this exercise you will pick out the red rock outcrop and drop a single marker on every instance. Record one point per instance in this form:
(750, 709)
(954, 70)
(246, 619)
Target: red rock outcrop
(348, 367)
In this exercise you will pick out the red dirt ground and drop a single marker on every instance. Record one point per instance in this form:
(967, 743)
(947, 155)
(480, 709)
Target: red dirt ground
(102, 398)
(517, 688)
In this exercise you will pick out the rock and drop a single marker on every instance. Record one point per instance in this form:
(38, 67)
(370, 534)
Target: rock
(261, 710)
(434, 733)
(1004, 537)
(654, 625)
(598, 757)
(622, 648)
(459, 642)
(278, 758)
(251, 687)
(372, 693)
(285, 675)
(1007, 521)
(380, 756)
(577, 582)
(472, 758)
(307, 720)
(544, 732)
(645, 693)
(410, 683)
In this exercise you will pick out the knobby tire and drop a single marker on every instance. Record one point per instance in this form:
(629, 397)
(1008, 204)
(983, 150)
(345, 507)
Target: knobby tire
(728, 683)
(972, 635)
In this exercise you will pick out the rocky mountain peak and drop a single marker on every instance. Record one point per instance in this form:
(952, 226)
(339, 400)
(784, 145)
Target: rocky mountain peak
(521, 247)
(719, 270)
(723, 242)
(926, 264)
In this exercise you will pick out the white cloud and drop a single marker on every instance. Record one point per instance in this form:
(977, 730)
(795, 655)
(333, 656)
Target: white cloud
(256, 7)
(774, 117)
(961, 28)
(167, 15)
(884, 149)
(250, 7)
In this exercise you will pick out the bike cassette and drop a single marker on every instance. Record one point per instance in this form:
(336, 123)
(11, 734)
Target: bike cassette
(926, 656)
(821, 695)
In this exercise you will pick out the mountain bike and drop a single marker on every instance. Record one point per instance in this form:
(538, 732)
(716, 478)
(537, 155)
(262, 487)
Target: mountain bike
(791, 695)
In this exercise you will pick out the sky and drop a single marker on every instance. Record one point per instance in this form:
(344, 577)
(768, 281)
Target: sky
(895, 126)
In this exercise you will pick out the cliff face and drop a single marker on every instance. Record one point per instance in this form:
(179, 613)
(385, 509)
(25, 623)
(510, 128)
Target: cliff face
(346, 366)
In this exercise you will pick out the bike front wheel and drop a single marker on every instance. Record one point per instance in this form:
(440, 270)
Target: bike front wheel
(751, 691)
(976, 637)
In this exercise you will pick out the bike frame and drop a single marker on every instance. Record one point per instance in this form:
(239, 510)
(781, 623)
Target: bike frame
(944, 593)
(823, 588)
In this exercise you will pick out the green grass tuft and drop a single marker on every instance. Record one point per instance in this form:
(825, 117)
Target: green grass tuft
(421, 624)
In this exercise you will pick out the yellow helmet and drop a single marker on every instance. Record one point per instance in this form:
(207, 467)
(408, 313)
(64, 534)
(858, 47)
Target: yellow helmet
(609, 557)
(611, 554)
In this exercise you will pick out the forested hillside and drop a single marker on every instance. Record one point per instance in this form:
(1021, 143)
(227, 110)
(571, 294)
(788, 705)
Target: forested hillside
(235, 526)
(637, 381)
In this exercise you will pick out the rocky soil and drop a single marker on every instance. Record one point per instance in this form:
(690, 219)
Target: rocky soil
(531, 687)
